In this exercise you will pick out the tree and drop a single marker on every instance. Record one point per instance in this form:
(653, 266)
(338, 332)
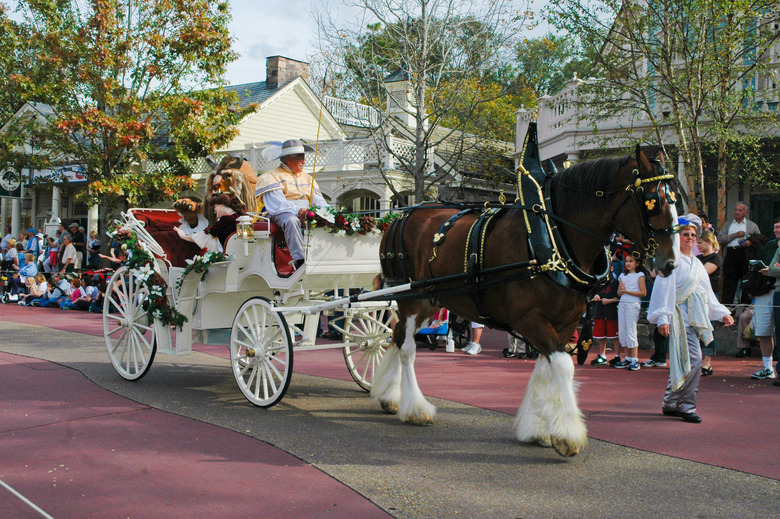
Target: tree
(689, 67)
(126, 86)
(546, 63)
(436, 47)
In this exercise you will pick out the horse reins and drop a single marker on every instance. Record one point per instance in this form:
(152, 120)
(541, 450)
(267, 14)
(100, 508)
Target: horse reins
(632, 191)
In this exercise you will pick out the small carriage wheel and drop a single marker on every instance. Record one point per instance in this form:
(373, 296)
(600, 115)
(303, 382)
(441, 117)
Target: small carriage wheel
(456, 324)
(127, 328)
(372, 330)
(261, 353)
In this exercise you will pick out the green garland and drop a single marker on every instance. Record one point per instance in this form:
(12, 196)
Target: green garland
(348, 224)
(140, 263)
(201, 265)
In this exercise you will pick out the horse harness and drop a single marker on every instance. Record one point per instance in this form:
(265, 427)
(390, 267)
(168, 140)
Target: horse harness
(548, 248)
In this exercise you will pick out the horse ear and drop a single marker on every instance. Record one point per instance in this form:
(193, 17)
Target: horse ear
(211, 163)
(643, 161)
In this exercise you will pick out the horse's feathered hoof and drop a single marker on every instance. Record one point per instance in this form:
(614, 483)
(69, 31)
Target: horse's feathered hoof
(565, 448)
(420, 421)
(544, 442)
(389, 407)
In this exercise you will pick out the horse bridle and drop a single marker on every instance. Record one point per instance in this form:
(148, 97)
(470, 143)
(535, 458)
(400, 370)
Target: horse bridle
(648, 207)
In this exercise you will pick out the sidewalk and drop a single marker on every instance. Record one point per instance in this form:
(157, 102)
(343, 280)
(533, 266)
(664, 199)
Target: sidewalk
(622, 407)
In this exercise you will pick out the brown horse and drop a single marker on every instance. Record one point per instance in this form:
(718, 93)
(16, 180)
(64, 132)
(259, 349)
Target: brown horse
(590, 202)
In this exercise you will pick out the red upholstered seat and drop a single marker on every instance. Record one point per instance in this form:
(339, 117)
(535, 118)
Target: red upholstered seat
(176, 249)
(157, 219)
(160, 223)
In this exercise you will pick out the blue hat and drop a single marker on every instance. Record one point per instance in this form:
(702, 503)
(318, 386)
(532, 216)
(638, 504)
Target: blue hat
(31, 230)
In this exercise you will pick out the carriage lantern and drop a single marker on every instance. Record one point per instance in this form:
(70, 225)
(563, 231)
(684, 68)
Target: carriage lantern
(245, 229)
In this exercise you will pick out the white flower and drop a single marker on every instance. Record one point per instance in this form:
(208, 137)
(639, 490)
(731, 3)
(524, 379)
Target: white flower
(375, 231)
(326, 215)
(341, 233)
(144, 272)
(157, 314)
(189, 261)
(156, 291)
(355, 224)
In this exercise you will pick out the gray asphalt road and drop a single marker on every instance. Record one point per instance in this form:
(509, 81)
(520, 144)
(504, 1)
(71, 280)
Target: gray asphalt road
(466, 465)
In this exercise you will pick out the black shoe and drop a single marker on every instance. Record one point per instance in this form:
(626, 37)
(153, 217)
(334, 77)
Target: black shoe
(744, 352)
(670, 412)
(690, 417)
(706, 372)
(615, 361)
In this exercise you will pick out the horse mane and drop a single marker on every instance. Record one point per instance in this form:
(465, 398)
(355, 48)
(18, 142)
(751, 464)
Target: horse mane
(571, 184)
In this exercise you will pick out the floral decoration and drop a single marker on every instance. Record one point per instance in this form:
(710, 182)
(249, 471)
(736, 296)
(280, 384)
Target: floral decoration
(140, 264)
(348, 224)
(201, 264)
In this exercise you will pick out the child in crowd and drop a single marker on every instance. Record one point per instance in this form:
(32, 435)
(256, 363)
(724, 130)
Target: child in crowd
(605, 320)
(76, 294)
(632, 287)
(37, 286)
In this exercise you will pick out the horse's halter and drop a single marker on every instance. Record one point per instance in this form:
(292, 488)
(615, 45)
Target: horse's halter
(648, 205)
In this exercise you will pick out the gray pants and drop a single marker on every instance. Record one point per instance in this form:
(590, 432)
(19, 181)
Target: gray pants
(684, 399)
(293, 234)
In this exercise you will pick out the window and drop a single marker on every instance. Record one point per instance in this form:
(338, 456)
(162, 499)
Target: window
(363, 203)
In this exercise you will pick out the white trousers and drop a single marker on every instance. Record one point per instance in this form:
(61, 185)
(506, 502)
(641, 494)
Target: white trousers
(628, 315)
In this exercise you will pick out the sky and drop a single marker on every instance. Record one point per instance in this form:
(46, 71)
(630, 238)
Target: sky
(263, 28)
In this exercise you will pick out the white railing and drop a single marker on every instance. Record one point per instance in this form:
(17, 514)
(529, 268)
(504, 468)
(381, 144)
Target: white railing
(352, 113)
(346, 155)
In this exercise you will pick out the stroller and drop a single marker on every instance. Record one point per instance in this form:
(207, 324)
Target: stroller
(455, 330)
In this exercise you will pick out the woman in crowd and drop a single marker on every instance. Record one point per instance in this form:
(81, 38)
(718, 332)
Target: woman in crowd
(713, 264)
(682, 305)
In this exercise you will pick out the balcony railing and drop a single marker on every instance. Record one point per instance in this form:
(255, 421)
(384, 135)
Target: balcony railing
(352, 113)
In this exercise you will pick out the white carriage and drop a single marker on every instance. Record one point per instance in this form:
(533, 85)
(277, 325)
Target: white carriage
(259, 306)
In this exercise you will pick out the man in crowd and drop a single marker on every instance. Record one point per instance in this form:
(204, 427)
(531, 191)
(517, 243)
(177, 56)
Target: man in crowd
(735, 237)
(32, 246)
(287, 192)
(69, 256)
(6, 236)
(79, 240)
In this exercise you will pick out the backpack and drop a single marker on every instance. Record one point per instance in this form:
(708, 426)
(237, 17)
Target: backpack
(755, 283)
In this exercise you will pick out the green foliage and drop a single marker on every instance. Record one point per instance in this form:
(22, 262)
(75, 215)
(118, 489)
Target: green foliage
(690, 68)
(545, 64)
(127, 83)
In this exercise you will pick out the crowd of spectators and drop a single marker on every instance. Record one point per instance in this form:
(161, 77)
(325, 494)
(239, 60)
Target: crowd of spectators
(54, 271)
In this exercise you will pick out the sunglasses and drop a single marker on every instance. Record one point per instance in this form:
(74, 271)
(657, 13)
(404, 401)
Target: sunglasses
(688, 234)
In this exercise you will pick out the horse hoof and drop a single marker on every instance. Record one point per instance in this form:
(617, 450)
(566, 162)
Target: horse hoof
(420, 421)
(544, 442)
(564, 448)
(389, 407)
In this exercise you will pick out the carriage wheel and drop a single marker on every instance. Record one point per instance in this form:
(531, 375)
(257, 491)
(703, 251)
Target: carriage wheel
(261, 352)
(127, 327)
(371, 331)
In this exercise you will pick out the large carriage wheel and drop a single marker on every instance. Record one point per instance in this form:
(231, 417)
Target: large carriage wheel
(127, 327)
(261, 352)
(371, 330)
